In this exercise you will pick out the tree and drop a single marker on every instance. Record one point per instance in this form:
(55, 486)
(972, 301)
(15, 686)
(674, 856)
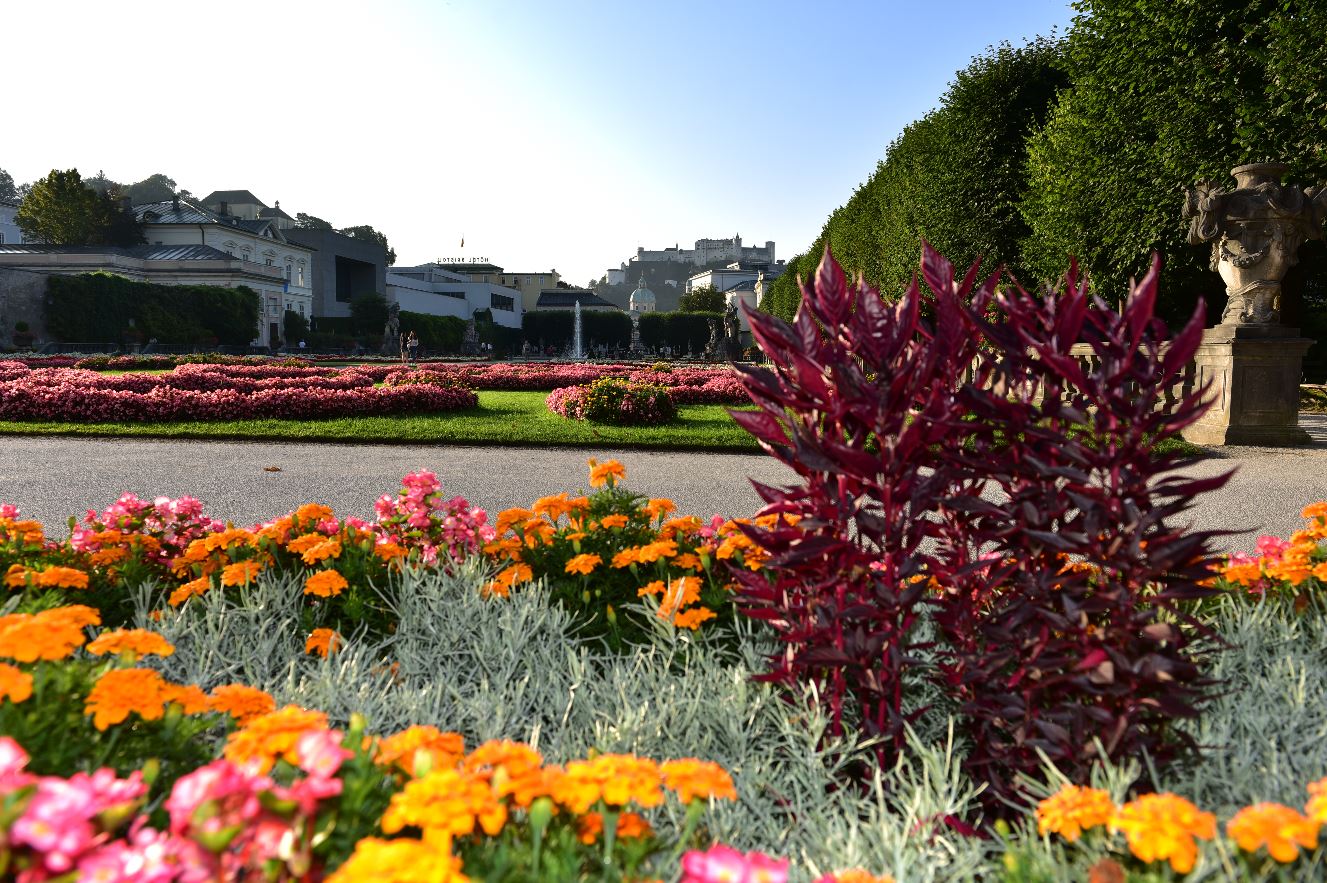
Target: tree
(706, 299)
(1165, 93)
(294, 327)
(7, 188)
(369, 314)
(368, 234)
(100, 184)
(309, 222)
(61, 210)
(154, 188)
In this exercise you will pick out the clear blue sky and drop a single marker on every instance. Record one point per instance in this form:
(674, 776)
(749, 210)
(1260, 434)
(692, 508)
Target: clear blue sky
(549, 135)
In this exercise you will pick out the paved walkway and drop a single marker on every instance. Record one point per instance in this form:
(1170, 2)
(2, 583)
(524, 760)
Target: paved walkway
(53, 478)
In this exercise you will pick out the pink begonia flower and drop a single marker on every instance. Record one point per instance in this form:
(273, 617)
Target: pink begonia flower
(319, 752)
(1272, 547)
(231, 791)
(723, 864)
(307, 793)
(8, 510)
(12, 761)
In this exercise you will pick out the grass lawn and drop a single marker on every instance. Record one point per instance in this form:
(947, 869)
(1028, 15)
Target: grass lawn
(502, 418)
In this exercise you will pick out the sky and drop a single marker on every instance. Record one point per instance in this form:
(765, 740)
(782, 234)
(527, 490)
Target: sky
(545, 135)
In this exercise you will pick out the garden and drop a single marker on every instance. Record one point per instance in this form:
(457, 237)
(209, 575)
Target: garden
(973, 640)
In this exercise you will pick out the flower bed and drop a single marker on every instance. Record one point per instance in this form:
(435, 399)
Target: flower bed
(207, 392)
(615, 400)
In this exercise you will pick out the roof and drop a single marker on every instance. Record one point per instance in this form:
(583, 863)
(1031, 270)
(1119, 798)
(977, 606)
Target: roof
(276, 212)
(744, 285)
(233, 197)
(142, 252)
(565, 298)
(165, 212)
(9, 202)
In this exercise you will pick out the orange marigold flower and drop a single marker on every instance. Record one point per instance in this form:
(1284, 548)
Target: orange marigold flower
(16, 577)
(399, 861)
(304, 543)
(389, 551)
(1279, 828)
(858, 875)
(1162, 827)
(688, 561)
(509, 517)
(616, 779)
(691, 779)
(329, 548)
(1315, 510)
(189, 589)
(553, 507)
(583, 564)
(660, 508)
(513, 769)
(137, 642)
(626, 557)
(1072, 810)
(681, 592)
(618, 520)
(405, 749)
(509, 577)
(685, 525)
(1243, 574)
(62, 578)
(264, 739)
(50, 635)
(322, 642)
(240, 573)
(313, 512)
(121, 692)
(653, 588)
(629, 827)
(604, 473)
(445, 803)
(15, 684)
(190, 698)
(112, 555)
(654, 551)
(1316, 808)
(231, 536)
(242, 702)
(325, 584)
(691, 619)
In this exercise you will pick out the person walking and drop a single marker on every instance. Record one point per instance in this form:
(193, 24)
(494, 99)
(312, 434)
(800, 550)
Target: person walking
(403, 348)
(412, 346)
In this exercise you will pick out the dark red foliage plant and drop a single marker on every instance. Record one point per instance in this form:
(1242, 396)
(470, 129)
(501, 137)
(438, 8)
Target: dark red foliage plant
(972, 469)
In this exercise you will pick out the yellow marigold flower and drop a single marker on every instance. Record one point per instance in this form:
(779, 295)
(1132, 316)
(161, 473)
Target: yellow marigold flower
(630, 826)
(322, 642)
(138, 642)
(325, 584)
(403, 750)
(15, 684)
(62, 578)
(1162, 827)
(1072, 810)
(691, 779)
(242, 702)
(240, 573)
(190, 698)
(602, 473)
(583, 564)
(1316, 808)
(313, 512)
(398, 861)
(121, 692)
(626, 557)
(264, 739)
(691, 619)
(189, 589)
(616, 779)
(330, 548)
(50, 635)
(16, 577)
(618, 520)
(445, 802)
(111, 555)
(1279, 828)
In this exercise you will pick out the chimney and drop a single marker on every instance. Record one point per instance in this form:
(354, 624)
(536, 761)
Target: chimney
(225, 208)
(176, 200)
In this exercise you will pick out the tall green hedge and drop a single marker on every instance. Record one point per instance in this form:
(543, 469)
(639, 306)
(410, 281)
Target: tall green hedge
(103, 307)
(555, 328)
(681, 331)
(437, 334)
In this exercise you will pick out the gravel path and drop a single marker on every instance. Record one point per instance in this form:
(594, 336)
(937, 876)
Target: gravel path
(52, 478)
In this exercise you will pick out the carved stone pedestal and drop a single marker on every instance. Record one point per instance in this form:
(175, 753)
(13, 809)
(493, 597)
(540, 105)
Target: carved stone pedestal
(1254, 372)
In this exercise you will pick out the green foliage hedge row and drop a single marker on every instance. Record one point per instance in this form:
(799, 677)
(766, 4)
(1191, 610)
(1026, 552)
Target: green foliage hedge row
(102, 306)
(439, 334)
(681, 331)
(554, 328)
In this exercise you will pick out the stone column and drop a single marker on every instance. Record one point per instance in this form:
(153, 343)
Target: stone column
(1252, 363)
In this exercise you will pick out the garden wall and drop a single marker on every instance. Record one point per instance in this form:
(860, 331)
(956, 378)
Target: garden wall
(22, 293)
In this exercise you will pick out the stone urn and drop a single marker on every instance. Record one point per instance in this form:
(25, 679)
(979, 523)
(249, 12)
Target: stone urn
(1255, 231)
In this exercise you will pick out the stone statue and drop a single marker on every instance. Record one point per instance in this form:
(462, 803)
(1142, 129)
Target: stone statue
(732, 333)
(391, 332)
(470, 338)
(712, 348)
(1256, 230)
(760, 286)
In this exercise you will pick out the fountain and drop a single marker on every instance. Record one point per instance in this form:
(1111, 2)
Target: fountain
(577, 345)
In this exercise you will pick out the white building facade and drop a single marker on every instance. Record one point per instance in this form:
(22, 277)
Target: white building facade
(10, 234)
(434, 291)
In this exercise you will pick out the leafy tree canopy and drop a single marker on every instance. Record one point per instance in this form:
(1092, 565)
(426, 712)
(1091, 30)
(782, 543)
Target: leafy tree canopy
(1165, 93)
(153, 188)
(706, 299)
(7, 188)
(310, 222)
(368, 234)
(61, 209)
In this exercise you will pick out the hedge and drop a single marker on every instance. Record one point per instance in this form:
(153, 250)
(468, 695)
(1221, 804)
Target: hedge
(681, 331)
(104, 307)
(554, 327)
(438, 334)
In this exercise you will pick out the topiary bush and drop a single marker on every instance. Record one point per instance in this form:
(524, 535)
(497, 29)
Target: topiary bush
(615, 400)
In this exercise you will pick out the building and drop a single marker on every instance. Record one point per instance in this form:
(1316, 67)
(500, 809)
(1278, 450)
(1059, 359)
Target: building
(285, 285)
(567, 298)
(436, 291)
(529, 284)
(10, 234)
(642, 300)
(244, 205)
(710, 251)
(344, 268)
(732, 275)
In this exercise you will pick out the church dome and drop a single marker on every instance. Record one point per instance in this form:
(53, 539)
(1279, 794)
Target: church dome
(642, 299)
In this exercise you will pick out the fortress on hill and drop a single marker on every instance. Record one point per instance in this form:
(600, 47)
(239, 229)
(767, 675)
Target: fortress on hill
(708, 251)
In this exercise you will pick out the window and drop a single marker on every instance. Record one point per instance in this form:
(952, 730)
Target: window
(2, 237)
(502, 302)
(460, 294)
(301, 275)
(269, 262)
(301, 310)
(289, 270)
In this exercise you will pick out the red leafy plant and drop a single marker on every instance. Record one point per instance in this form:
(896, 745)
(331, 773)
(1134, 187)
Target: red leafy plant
(967, 467)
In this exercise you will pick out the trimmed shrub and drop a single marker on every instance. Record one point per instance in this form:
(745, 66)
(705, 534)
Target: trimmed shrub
(100, 306)
(615, 400)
